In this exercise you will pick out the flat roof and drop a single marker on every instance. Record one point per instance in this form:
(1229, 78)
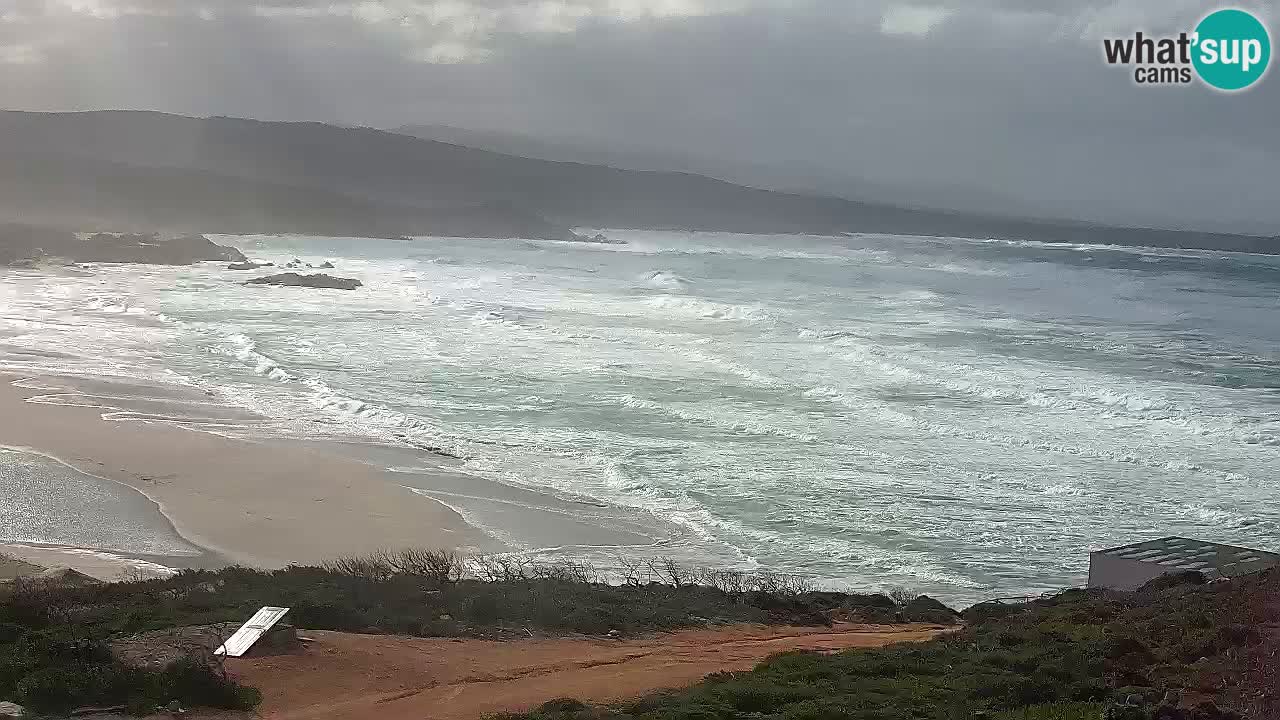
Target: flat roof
(1179, 553)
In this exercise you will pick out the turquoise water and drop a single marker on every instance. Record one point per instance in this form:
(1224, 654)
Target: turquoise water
(965, 418)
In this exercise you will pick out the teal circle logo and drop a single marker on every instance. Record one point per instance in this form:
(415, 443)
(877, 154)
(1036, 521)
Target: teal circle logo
(1232, 49)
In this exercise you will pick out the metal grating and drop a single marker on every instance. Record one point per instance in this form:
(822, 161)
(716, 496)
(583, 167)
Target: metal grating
(249, 633)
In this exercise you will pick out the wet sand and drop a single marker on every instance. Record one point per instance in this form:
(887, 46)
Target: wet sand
(267, 504)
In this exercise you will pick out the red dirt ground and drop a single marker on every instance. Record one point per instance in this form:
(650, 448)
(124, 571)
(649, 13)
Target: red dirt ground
(340, 675)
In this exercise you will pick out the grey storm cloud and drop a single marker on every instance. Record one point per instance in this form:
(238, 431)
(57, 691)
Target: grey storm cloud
(1007, 97)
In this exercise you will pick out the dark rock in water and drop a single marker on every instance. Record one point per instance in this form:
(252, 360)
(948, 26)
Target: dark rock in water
(25, 244)
(311, 281)
(597, 239)
(326, 265)
(249, 265)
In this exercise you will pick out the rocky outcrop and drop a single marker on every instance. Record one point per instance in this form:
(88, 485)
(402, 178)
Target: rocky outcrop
(23, 244)
(249, 265)
(310, 281)
(152, 249)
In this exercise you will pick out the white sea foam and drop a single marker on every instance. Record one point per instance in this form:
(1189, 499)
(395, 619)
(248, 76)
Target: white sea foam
(705, 309)
(863, 410)
(665, 279)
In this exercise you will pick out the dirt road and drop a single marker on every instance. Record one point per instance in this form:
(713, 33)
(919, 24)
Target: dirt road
(392, 678)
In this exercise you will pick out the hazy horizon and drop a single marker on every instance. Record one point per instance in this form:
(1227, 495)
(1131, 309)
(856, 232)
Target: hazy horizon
(990, 99)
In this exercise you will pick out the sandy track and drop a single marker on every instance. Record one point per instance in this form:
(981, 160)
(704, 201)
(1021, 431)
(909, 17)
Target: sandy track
(362, 676)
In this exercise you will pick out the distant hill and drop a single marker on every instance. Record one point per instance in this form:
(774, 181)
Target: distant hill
(791, 178)
(77, 192)
(232, 175)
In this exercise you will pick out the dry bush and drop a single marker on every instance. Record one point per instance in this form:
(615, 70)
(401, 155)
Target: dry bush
(135, 575)
(901, 596)
(375, 566)
(445, 566)
(566, 571)
(632, 571)
(669, 572)
(730, 582)
(782, 584)
(503, 568)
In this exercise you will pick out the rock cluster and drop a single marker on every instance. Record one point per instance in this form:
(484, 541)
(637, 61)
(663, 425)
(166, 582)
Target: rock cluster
(310, 281)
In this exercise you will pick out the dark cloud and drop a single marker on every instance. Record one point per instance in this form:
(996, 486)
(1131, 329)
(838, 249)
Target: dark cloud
(1004, 96)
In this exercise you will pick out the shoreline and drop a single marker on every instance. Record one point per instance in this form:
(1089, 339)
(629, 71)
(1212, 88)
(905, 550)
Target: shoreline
(103, 565)
(263, 504)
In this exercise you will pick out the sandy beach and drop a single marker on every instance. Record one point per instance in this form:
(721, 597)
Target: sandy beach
(18, 560)
(259, 504)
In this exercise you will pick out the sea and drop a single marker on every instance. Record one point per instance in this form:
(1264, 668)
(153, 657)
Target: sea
(959, 417)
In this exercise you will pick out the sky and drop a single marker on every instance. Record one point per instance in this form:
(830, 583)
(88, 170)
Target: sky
(1006, 97)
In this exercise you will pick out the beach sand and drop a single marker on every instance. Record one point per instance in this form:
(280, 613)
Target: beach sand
(267, 504)
(340, 676)
(13, 566)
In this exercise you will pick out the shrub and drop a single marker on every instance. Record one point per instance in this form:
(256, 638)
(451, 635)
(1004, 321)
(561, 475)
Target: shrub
(902, 596)
(562, 705)
(1073, 656)
(200, 683)
(442, 566)
(1055, 711)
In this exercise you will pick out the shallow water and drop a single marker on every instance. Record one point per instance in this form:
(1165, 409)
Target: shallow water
(44, 501)
(966, 418)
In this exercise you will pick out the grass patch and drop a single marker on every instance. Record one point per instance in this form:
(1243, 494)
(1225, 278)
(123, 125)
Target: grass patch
(1070, 657)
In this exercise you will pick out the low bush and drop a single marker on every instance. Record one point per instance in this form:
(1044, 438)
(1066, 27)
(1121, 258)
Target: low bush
(1055, 711)
(1080, 655)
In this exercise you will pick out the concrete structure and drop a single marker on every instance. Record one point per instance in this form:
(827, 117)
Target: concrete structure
(1129, 567)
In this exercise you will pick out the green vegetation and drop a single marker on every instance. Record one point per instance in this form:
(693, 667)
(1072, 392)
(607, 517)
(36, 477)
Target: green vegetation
(55, 656)
(55, 640)
(1074, 656)
(1055, 711)
(1080, 654)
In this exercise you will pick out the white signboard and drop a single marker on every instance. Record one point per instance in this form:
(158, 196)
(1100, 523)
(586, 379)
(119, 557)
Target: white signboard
(250, 632)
